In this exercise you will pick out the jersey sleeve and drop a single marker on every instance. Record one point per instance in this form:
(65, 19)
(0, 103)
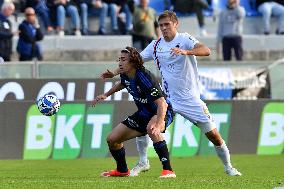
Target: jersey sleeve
(190, 41)
(150, 86)
(147, 53)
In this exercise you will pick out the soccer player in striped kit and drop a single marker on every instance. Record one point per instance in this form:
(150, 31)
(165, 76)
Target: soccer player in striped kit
(154, 113)
(175, 56)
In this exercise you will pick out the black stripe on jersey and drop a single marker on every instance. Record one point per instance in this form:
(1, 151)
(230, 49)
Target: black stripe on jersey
(154, 91)
(145, 89)
(145, 79)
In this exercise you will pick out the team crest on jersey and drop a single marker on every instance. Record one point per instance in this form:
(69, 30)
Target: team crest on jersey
(177, 45)
(154, 92)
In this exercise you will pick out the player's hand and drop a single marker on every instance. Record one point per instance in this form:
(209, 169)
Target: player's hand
(107, 74)
(98, 99)
(155, 129)
(178, 51)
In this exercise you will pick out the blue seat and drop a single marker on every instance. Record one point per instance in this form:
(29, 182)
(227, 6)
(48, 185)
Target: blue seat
(249, 5)
(158, 5)
(219, 4)
(250, 8)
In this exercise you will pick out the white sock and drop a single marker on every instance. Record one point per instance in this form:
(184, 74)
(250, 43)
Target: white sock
(224, 154)
(142, 145)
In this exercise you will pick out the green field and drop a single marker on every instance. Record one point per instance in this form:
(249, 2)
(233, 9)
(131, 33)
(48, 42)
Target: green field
(194, 172)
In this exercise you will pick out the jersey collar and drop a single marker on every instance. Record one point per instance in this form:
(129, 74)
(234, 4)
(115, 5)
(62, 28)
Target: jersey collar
(176, 36)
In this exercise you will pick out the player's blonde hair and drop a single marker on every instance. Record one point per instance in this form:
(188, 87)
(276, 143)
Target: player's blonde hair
(169, 14)
(134, 57)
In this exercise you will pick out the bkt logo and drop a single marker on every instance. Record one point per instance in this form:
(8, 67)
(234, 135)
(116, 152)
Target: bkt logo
(70, 134)
(271, 136)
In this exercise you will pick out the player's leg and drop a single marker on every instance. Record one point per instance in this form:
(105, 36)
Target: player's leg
(138, 123)
(202, 118)
(142, 145)
(143, 164)
(118, 135)
(214, 136)
(209, 129)
(161, 148)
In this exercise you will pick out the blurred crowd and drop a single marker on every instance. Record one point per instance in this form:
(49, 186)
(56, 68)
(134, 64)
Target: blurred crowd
(127, 17)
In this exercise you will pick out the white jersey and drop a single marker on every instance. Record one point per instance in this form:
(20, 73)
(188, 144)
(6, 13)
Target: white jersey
(179, 72)
(179, 76)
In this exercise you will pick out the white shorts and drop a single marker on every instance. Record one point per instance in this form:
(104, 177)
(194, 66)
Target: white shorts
(196, 112)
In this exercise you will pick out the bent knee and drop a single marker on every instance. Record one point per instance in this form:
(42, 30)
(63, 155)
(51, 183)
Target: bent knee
(111, 140)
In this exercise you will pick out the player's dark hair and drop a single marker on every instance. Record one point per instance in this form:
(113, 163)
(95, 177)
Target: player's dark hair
(169, 14)
(134, 57)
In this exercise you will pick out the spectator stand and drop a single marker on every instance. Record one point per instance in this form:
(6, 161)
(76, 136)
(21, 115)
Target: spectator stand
(249, 5)
(161, 5)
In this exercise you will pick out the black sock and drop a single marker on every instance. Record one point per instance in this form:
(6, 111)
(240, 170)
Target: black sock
(119, 156)
(163, 153)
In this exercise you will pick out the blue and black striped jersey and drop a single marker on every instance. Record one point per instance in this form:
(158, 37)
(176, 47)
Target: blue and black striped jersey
(145, 89)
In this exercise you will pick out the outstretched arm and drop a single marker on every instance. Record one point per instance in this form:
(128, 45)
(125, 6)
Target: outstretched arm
(147, 55)
(110, 74)
(117, 87)
(198, 50)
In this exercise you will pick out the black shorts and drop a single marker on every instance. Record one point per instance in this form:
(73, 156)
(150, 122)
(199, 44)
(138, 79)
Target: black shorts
(139, 122)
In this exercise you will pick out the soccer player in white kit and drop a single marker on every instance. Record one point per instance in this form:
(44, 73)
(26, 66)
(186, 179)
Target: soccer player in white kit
(175, 56)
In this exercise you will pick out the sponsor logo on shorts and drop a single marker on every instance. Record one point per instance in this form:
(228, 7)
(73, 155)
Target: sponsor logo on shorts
(207, 113)
(132, 123)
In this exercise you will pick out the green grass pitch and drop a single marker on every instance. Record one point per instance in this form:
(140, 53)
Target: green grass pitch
(194, 172)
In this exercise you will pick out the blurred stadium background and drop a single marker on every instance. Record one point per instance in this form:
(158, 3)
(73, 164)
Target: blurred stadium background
(245, 97)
